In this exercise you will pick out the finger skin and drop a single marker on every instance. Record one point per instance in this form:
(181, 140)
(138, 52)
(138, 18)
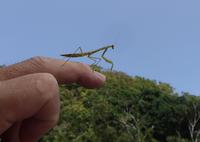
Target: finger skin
(70, 72)
(29, 98)
(33, 98)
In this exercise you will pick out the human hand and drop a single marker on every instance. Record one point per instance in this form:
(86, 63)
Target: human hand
(29, 95)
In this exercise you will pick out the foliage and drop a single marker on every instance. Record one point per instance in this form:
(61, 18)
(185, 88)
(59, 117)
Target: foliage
(126, 109)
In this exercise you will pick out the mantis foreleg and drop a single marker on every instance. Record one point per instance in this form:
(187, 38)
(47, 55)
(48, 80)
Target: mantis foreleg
(94, 59)
(107, 60)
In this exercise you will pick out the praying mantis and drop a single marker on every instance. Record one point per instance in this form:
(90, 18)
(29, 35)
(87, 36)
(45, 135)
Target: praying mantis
(89, 53)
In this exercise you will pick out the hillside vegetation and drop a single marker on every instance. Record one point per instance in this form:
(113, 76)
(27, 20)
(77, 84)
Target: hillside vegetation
(126, 109)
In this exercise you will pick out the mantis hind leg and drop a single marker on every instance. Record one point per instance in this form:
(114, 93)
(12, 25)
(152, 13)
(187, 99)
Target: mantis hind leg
(79, 48)
(107, 60)
(81, 51)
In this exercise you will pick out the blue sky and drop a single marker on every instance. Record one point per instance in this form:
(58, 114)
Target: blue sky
(155, 39)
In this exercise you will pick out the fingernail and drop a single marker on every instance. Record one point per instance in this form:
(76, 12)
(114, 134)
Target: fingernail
(100, 76)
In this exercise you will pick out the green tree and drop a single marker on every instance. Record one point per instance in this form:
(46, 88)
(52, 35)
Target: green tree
(126, 109)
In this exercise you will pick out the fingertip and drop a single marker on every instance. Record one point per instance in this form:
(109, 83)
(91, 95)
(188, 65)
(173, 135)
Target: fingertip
(100, 76)
(92, 79)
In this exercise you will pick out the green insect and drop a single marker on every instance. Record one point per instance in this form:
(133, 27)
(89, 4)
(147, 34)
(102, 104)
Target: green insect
(88, 54)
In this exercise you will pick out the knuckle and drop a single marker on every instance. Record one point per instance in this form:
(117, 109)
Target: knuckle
(55, 120)
(37, 58)
(38, 61)
(52, 121)
(46, 85)
(48, 89)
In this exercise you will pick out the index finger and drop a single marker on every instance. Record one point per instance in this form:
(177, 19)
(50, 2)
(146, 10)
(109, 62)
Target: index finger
(71, 72)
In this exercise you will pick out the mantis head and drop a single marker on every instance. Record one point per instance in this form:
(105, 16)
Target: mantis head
(112, 46)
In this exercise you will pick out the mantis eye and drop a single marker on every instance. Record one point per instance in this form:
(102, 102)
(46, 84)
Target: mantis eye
(112, 46)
